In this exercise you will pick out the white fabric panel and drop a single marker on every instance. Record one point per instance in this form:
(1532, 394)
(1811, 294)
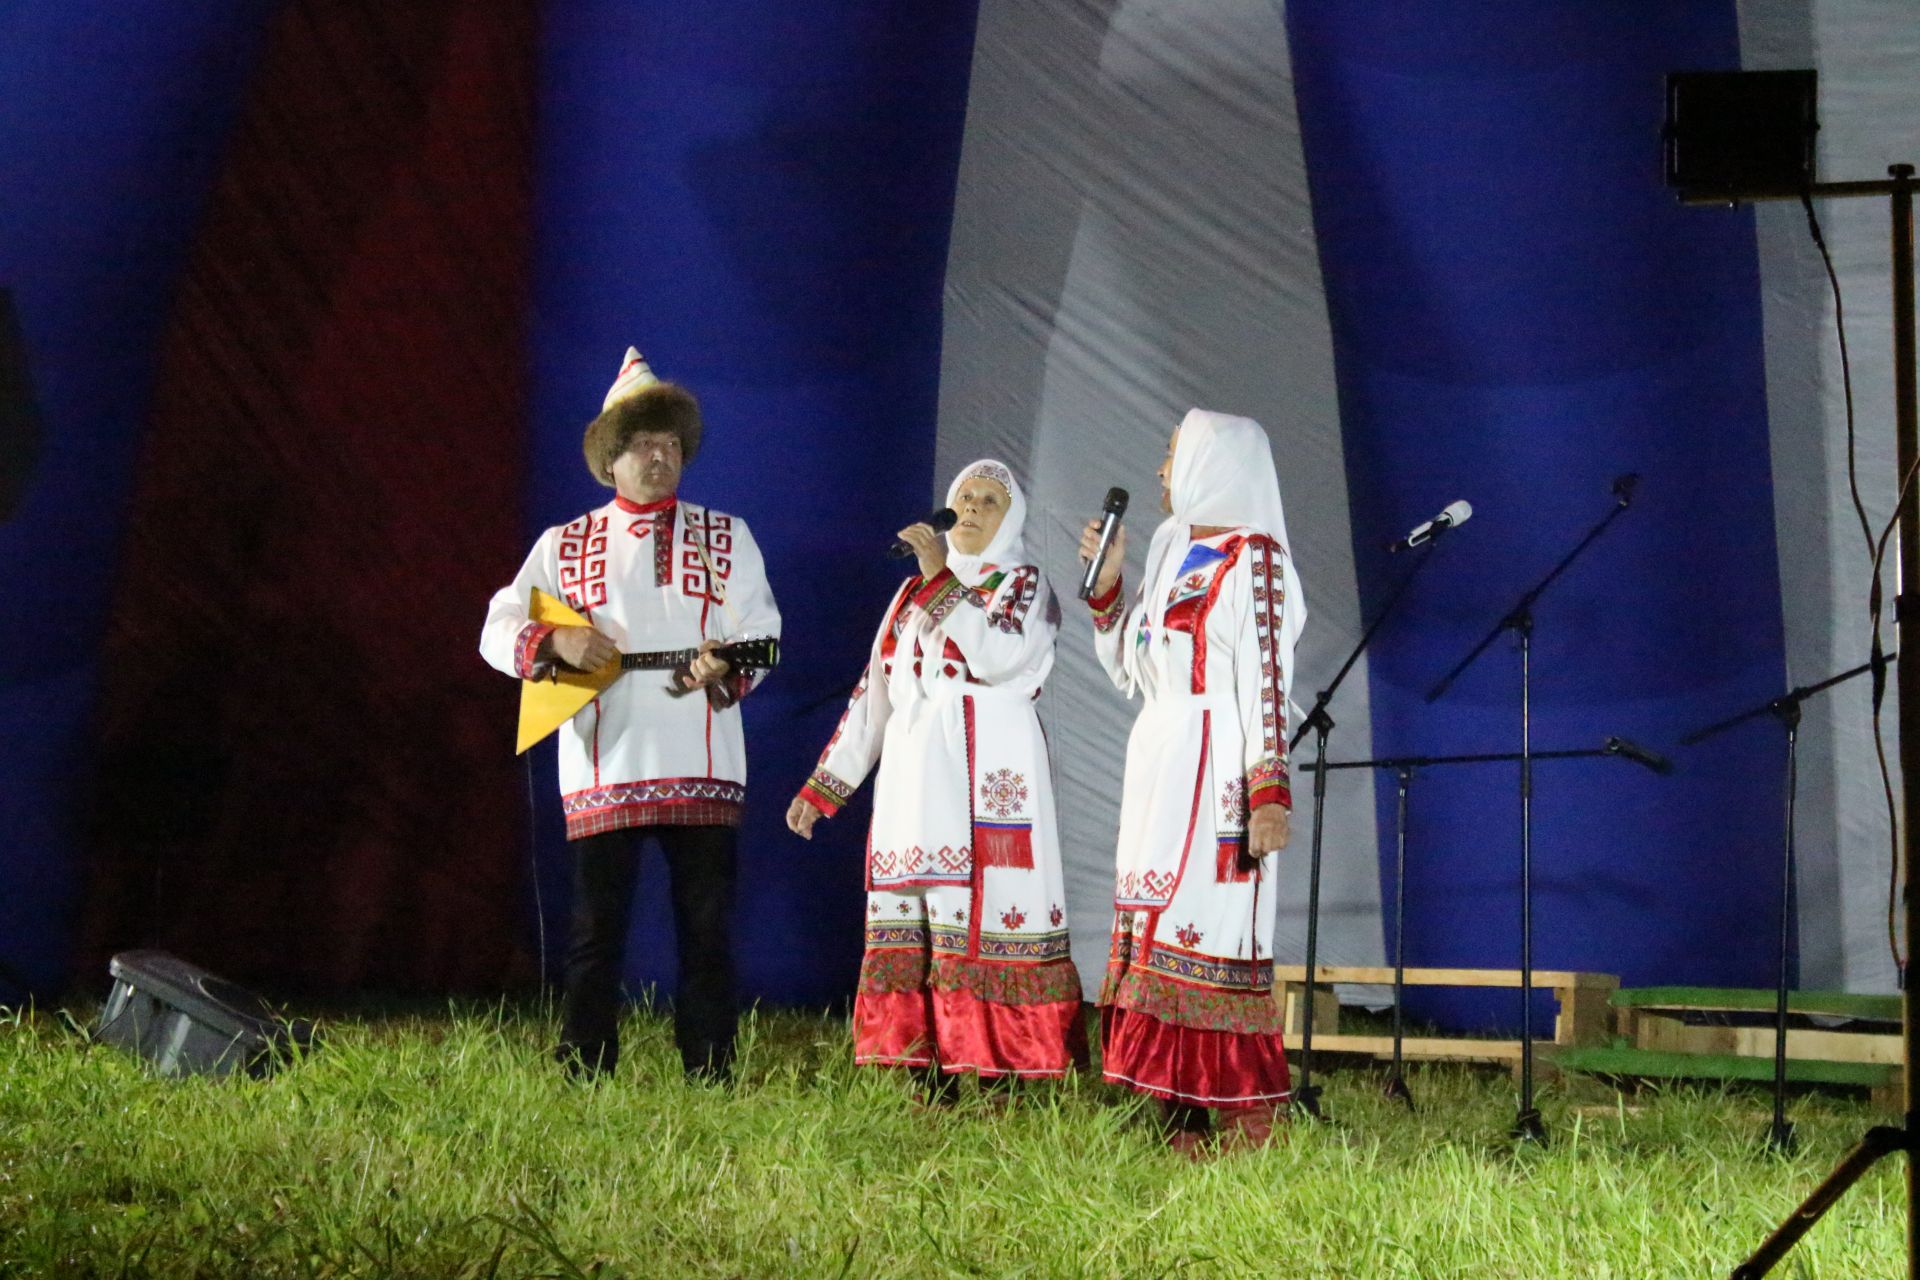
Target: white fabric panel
(1133, 238)
(1865, 52)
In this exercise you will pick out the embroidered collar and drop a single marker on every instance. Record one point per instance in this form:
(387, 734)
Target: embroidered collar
(645, 508)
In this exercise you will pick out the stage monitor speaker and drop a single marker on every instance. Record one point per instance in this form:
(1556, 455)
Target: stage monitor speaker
(1733, 132)
(19, 416)
(185, 1021)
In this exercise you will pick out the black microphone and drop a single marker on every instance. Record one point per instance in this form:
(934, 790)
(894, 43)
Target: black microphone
(1457, 513)
(1111, 510)
(1639, 755)
(1623, 487)
(941, 520)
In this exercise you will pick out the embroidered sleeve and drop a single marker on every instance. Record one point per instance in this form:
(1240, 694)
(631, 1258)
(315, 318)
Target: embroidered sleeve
(939, 595)
(825, 792)
(510, 640)
(526, 650)
(1010, 614)
(1267, 772)
(1107, 609)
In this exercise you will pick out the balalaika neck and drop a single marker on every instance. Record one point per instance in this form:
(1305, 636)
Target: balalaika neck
(664, 660)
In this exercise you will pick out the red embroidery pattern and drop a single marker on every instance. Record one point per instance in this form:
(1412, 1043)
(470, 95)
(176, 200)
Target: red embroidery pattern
(826, 793)
(658, 525)
(951, 939)
(1233, 805)
(1188, 935)
(946, 862)
(527, 645)
(583, 562)
(1004, 792)
(1013, 917)
(1267, 781)
(715, 531)
(1146, 888)
(1055, 916)
(659, 802)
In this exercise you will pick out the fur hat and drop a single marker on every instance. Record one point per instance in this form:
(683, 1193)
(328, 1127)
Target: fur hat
(639, 401)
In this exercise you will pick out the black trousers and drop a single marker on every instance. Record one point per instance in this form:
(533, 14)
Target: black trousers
(702, 867)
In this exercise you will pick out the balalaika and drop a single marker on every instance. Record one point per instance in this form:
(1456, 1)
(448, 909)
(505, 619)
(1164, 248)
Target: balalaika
(547, 704)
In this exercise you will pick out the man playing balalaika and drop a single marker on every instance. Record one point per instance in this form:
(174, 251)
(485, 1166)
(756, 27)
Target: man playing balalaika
(656, 751)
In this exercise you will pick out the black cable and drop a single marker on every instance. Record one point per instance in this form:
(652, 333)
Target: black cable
(533, 869)
(1876, 551)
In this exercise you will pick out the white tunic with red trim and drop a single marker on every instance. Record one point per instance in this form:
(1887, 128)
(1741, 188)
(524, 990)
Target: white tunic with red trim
(639, 755)
(1196, 915)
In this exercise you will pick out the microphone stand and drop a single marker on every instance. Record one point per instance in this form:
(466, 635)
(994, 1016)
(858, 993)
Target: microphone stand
(1785, 709)
(1403, 767)
(1307, 1096)
(1527, 1124)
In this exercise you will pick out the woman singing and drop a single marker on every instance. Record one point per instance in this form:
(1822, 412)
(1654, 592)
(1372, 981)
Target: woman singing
(1188, 1009)
(966, 966)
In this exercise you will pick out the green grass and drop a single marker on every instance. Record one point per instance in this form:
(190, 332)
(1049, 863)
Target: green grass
(449, 1146)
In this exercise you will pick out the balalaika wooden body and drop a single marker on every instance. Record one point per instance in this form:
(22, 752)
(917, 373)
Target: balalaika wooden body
(547, 704)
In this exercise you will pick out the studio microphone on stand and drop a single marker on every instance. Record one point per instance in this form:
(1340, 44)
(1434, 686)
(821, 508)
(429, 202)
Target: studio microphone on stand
(1623, 487)
(1457, 513)
(941, 520)
(1110, 512)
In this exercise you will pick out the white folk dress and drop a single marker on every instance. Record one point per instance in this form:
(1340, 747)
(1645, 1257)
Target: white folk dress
(967, 964)
(1188, 1001)
(660, 576)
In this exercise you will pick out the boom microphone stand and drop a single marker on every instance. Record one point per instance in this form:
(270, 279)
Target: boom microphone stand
(1403, 767)
(1307, 1096)
(1527, 1124)
(1785, 709)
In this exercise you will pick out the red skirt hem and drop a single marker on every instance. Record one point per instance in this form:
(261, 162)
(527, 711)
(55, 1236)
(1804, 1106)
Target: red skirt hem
(961, 1033)
(1193, 1065)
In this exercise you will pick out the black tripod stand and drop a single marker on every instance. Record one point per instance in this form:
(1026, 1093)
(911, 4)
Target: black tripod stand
(1307, 1095)
(1785, 709)
(1403, 767)
(1527, 1124)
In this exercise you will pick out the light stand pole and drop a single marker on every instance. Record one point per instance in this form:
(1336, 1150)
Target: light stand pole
(1882, 1140)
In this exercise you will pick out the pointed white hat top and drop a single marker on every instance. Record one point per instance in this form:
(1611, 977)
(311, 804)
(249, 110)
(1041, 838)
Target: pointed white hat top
(634, 375)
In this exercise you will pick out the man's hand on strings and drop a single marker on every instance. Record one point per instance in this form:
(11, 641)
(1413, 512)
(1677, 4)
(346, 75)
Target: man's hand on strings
(582, 648)
(706, 668)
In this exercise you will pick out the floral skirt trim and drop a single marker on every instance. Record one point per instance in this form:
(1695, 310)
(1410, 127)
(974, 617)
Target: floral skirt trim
(1128, 986)
(902, 969)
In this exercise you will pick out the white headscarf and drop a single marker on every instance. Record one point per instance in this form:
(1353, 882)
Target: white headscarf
(1008, 547)
(1223, 475)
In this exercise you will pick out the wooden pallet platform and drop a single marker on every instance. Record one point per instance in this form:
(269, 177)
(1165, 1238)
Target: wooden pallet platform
(1584, 1015)
(1621, 1061)
(1738, 1022)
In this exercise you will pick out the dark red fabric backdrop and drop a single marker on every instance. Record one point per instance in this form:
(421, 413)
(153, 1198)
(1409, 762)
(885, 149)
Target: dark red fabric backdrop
(306, 776)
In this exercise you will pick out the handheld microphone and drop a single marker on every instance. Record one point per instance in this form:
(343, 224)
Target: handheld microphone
(1111, 510)
(941, 520)
(1639, 755)
(1457, 513)
(1623, 487)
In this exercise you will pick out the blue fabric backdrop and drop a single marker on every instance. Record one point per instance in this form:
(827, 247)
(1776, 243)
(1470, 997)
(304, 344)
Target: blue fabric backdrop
(112, 132)
(1520, 312)
(758, 195)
